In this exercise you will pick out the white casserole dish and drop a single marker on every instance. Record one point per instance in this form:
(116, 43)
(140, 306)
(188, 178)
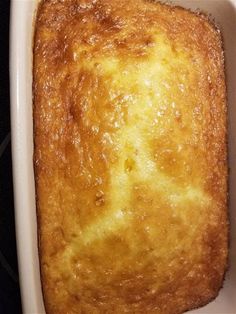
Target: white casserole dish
(21, 37)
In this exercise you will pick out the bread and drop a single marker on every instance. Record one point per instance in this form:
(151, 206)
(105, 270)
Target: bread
(130, 157)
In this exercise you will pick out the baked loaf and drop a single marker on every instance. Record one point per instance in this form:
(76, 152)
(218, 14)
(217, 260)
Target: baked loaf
(130, 157)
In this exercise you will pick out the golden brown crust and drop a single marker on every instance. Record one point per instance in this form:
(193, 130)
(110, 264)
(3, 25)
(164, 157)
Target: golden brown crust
(130, 157)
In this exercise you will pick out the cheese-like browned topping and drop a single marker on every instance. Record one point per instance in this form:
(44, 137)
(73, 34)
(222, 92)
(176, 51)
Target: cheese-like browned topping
(130, 157)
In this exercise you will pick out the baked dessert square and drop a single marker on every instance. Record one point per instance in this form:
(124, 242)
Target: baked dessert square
(130, 157)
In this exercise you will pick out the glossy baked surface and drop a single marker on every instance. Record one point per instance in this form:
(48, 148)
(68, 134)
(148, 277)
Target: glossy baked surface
(130, 157)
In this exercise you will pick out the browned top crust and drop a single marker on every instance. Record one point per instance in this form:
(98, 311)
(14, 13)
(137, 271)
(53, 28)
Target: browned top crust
(130, 157)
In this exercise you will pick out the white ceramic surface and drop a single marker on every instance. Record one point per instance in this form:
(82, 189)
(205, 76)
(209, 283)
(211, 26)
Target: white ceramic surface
(21, 35)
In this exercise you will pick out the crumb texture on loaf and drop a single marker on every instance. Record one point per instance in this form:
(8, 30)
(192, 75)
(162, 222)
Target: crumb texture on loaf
(130, 157)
